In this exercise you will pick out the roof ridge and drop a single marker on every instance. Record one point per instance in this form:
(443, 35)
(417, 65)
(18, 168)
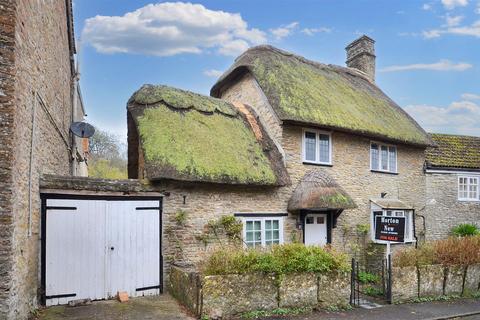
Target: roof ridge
(318, 64)
(453, 135)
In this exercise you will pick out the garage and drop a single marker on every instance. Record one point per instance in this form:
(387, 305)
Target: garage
(94, 247)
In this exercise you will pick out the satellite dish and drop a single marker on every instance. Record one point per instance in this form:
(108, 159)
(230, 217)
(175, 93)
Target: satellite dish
(82, 129)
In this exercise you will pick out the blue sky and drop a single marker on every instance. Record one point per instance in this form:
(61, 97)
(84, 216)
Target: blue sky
(428, 52)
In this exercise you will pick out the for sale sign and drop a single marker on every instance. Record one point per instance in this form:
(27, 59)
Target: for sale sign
(390, 228)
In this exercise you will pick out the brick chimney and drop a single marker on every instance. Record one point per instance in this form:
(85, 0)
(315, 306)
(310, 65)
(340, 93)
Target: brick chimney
(361, 56)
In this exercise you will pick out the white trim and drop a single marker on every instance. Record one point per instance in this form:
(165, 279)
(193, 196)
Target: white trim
(380, 145)
(470, 173)
(317, 146)
(468, 199)
(262, 228)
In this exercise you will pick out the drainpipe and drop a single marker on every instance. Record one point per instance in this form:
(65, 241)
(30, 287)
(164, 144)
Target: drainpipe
(30, 168)
(75, 77)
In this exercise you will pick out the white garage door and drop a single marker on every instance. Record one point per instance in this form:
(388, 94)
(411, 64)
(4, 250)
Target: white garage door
(95, 248)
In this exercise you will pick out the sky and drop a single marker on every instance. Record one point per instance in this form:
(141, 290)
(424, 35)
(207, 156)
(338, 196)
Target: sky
(428, 52)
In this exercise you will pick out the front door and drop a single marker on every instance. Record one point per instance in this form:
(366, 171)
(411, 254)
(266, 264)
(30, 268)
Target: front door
(316, 229)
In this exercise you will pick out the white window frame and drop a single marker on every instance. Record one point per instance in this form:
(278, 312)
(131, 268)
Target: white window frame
(468, 198)
(317, 146)
(408, 214)
(262, 228)
(380, 145)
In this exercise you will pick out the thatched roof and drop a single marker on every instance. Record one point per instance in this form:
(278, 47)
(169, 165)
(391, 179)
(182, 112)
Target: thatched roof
(190, 137)
(318, 191)
(391, 204)
(454, 152)
(306, 92)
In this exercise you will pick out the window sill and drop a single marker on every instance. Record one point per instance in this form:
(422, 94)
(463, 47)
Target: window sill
(385, 172)
(318, 164)
(468, 200)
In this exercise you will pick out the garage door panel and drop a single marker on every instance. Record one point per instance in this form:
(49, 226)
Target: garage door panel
(75, 250)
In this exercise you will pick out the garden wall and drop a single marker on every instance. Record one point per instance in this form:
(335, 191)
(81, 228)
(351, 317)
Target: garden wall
(410, 283)
(224, 296)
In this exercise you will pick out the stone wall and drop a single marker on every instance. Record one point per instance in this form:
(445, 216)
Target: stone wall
(443, 210)
(410, 283)
(40, 87)
(225, 296)
(7, 109)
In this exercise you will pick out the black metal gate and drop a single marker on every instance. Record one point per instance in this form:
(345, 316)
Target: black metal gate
(358, 294)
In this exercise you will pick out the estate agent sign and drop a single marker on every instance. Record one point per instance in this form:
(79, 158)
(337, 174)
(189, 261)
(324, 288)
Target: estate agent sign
(390, 228)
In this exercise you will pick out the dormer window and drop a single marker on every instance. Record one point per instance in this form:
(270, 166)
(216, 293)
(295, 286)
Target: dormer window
(317, 147)
(383, 157)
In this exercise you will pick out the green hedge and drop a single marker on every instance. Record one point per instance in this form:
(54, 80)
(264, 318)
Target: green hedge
(279, 259)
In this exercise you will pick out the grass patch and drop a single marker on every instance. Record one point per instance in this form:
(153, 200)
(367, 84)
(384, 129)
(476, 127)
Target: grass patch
(258, 314)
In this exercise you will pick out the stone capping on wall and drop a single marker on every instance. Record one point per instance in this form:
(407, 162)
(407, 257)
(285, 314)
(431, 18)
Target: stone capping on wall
(410, 283)
(70, 184)
(225, 296)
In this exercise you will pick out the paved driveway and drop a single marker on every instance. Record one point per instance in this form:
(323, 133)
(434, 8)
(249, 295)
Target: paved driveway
(162, 307)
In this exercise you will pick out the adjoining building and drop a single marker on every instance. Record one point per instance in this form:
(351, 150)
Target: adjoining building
(39, 99)
(452, 172)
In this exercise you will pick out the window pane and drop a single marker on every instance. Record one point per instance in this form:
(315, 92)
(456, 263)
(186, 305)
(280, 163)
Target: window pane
(407, 226)
(384, 158)
(249, 236)
(268, 224)
(392, 158)
(257, 225)
(249, 225)
(276, 235)
(275, 224)
(309, 220)
(310, 146)
(374, 156)
(268, 235)
(324, 148)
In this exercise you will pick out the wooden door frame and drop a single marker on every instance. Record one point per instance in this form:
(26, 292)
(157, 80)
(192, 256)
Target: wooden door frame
(43, 233)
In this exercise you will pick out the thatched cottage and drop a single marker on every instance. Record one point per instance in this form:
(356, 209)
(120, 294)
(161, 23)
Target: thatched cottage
(296, 150)
(452, 172)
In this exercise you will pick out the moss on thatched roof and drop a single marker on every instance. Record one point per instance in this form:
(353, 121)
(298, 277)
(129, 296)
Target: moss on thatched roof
(318, 191)
(454, 151)
(190, 137)
(330, 96)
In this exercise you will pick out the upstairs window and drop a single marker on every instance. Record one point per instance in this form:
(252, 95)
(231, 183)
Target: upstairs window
(468, 188)
(383, 157)
(317, 147)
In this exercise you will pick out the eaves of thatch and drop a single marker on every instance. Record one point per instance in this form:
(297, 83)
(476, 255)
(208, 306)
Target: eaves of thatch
(190, 137)
(305, 92)
(317, 190)
(454, 152)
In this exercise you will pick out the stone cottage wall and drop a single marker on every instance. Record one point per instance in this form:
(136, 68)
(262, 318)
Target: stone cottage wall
(41, 78)
(7, 108)
(443, 210)
(204, 202)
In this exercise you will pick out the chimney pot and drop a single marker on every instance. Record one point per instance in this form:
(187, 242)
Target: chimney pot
(361, 56)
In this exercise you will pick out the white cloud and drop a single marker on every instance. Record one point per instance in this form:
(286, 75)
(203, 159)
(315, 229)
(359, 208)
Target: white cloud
(213, 73)
(427, 6)
(470, 96)
(430, 34)
(312, 31)
(284, 31)
(461, 117)
(452, 4)
(477, 10)
(442, 65)
(453, 21)
(171, 28)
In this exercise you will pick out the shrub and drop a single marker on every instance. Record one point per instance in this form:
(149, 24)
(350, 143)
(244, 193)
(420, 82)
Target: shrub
(452, 251)
(367, 277)
(465, 230)
(279, 259)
